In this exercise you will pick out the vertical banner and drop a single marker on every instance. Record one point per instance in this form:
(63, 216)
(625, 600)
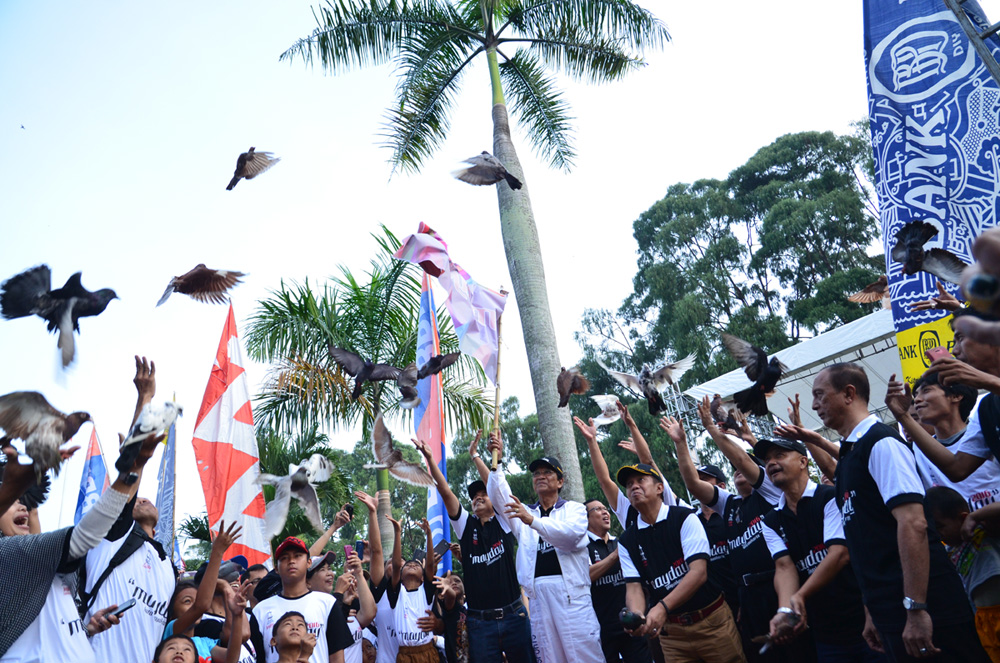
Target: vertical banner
(936, 140)
(428, 417)
(165, 495)
(94, 480)
(226, 450)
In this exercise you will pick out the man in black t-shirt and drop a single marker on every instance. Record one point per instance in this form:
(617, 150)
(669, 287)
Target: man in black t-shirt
(719, 567)
(607, 589)
(496, 619)
(911, 591)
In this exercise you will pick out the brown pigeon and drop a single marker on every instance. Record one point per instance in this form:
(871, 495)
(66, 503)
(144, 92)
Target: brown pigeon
(872, 292)
(250, 164)
(26, 415)
(388, 457)
(570, 382)
(486, 169)
(204, 284)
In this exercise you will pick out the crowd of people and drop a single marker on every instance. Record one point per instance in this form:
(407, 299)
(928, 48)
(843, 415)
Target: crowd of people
(884, 548)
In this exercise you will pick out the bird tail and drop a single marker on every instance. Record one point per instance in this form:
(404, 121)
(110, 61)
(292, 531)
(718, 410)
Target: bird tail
(409, 405)
(166, 294)
(563, 400)
(656, 404)
(512, 181)
(232, 183)
(20, 294)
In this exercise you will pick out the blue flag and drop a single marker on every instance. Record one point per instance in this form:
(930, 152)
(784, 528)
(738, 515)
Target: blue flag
(165, 496)
(94, 481)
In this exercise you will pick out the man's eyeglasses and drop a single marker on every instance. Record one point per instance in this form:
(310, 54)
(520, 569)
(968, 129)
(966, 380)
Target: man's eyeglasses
(598, 508)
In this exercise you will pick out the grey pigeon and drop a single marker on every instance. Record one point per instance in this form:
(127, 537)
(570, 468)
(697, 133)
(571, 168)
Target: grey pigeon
(909, 250)
(723, 415)
(31, 293)
(764, 373)
(27, 416)
(362, 370)
(204, 284)
(250, 164)
(388, 457)
(300, 483)
(650, 383)
(407, 384)
(485, 169)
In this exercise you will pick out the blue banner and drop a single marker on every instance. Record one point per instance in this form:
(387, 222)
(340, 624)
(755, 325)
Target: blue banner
(165, 496)
(936, 139)
(94, 480)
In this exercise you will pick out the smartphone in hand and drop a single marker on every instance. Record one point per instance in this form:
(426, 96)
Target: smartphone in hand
(359, 547)
(937, 353)
(348, 549)
(123, 607)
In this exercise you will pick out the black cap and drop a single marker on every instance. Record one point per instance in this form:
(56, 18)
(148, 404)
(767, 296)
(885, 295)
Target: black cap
(476, 487)
(550, 462)
(755, 458)
(228, 571)
(639, 468)
(764, 447)
(713, 471)
(268, 586)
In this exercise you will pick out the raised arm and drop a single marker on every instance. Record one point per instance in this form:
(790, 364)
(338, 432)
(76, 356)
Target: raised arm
(206, 588)
(366, 615)
(374, 537)
(341, 519)
(641, 447)
(430, 567)
(702, 490)
(607, 484)
(732, 451)
(451, 502)
(602, 566)
(815, 443)
(397, 551)
(481, 467)
(498, 490)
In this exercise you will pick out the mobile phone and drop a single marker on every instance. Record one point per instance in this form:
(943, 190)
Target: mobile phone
(123, 607)
(349, 508)
(441, 547)
(348, 549)
(937, 353)
(359, 547)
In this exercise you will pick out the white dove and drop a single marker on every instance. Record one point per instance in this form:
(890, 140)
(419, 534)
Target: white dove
(300, 484)
(388, 457)
(153, 420)
(650, 383)
(609, 409)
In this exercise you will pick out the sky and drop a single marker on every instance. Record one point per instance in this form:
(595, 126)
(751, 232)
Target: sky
(133, 115)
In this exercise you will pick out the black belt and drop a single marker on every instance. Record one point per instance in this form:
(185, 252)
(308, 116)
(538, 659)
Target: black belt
(495, 613)
(751, 579)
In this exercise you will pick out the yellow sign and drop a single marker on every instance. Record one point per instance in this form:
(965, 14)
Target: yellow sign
(914, 343)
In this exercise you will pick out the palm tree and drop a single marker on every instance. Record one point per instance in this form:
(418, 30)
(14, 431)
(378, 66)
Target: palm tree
(378, 320)
(432, 42)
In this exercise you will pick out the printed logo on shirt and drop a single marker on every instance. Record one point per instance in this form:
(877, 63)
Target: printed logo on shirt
(475, 537)
(982, 498)
(847, 510)
(670, 579)
(719, 550)
(615, 579)
(812, 560)
(75, 626)
(752, 533)
(493, 554)
(544, 546)
(149, 603)
(642, 556)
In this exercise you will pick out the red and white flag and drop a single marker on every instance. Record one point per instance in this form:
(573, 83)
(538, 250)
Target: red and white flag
(226, 450)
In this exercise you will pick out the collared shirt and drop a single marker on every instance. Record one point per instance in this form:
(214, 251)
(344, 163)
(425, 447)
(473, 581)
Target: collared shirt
(719, 567)
(980, 488)
(488, 561)
(608, 591)
(744, 520)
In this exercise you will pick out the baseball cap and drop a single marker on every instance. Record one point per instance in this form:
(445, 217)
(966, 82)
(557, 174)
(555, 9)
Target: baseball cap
(317, 561)
(713, 471)
(268, 586)
(291, 543)
(764, 447)
(228, 571)
(241, 561)
(550, 462)
(639, 468)
(476, 487)
(755, 458)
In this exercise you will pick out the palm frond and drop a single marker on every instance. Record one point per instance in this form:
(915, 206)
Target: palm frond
(535, 101)
(595, 61)
(595, 21)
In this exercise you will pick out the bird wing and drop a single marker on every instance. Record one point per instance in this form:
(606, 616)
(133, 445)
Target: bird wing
(627, 380)
(206, 284)
(22, 412)
(276, 511)
(480, 175)
(319, 468)
(604, 400)
(605, 419)
(407, 377)
(384, 372)
(750, 357)
(579, 384)
(913, 234)
(257, 163)
(307, 497)
(672, 372)
(349, 361)
(871, 292)
(166, 293)
(66, 343)
(381, 440)
(411, 473)
(945, 265)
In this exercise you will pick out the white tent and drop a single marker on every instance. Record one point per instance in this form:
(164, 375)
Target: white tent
(869, 341)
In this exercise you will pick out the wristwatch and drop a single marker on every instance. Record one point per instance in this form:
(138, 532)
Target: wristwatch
(910, 604)
(475, 456)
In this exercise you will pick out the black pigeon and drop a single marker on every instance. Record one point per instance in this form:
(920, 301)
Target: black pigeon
(486, 169)
(765, 374)
(909, 250)
(362, 370)
(250, 164)
(407, 384)
(437, 363)
(30, 293)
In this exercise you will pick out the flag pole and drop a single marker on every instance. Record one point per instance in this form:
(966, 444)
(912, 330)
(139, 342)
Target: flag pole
(496, 398)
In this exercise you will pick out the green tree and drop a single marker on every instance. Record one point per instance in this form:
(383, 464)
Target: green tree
(432, 42)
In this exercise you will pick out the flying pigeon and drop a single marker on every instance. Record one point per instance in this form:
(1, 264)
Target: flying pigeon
(570, 382)
(437, 363)
(650, 383)
(722, 415)
(407, 385)
(909, 250)
(31, 293)
(388, 457)
(153, 420)
(300, 483)
(872, 292)
(204, 284)
(609, 409)
(250, 164)
(764, 374)
(486, 169)
(27, 416)
(362, 370)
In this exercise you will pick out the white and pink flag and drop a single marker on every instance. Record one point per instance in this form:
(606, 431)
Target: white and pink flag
(226, 450)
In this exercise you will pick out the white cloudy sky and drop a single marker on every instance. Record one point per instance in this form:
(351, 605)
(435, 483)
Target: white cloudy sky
(134, 113)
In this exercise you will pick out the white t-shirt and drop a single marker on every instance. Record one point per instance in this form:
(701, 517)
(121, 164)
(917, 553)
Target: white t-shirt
(323, 616)
(57, 634)
(980, 488)
(388, 645)
(408, 607)
(144, 577)
(355, 653)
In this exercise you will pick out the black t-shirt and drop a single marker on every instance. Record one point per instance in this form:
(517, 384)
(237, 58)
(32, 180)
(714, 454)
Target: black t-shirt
(719, 568)
(744, 518)
(488, 562)
(546, 560)
(836, 614)
(608, 591)
(866, 503)
(456, 635)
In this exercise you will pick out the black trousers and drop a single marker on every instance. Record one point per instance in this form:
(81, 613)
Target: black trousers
(959, 643)
(758, 604)
(623, 647)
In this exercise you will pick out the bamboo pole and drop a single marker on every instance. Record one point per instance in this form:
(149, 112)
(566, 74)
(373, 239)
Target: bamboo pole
(496, 398)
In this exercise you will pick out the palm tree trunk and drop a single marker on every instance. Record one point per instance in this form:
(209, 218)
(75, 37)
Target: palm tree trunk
(385, 530)
(524, 261)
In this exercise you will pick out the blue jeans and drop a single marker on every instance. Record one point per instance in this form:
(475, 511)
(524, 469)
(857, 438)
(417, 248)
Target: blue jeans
(489, 638)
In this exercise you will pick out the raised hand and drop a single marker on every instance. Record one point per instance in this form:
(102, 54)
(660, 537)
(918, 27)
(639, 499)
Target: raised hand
(456, 551)
(705, 414)
(145, 378)
(624, 414)
(444, 586)
(424, 525)
(794, 412)
(367, 500)
(226, 537)
(353, 563)
(475, 443)
(628, 445)
(424, 449)
(675, 429)
(588, 430)
(341, 519)
(395, 524)
(898, 397)
(945, 301)
(496, 444)
(517, 510)
(744, 432)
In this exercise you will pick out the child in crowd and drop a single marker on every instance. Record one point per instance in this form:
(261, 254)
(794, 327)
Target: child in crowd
(292, 639)
(977, 561)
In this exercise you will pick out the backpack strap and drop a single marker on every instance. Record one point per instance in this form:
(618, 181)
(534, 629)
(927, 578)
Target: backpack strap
(133, 542)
